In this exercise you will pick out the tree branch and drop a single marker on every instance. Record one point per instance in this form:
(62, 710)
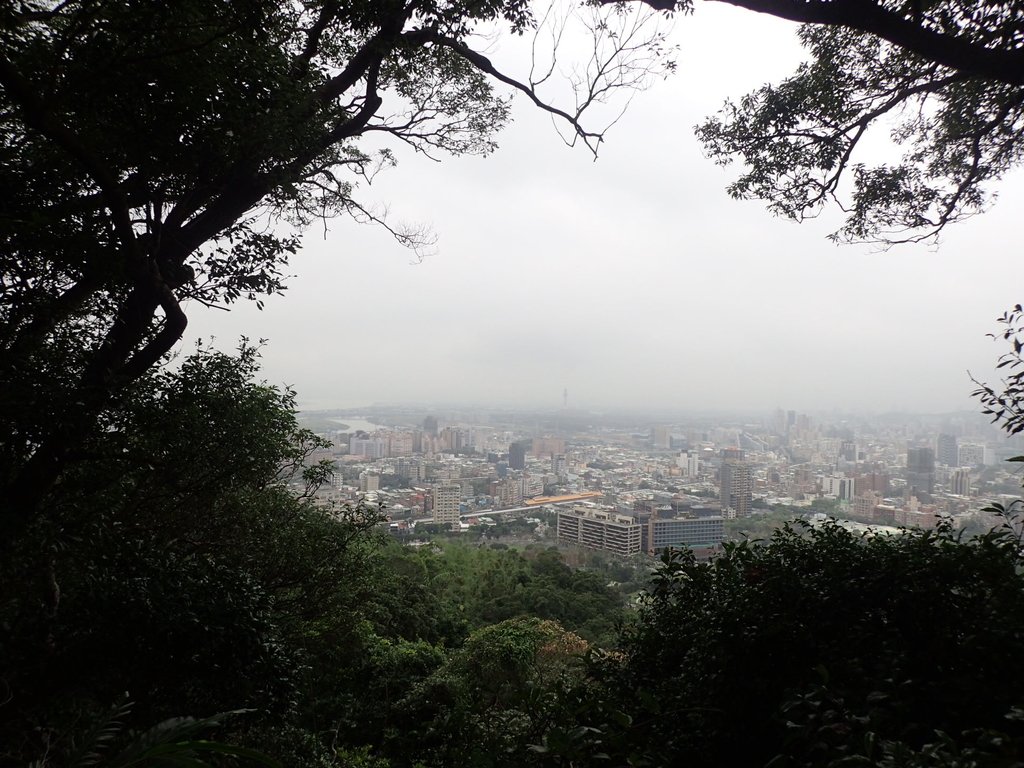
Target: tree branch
(484, 64)
(300, 67)
(175, 323)
(871, 16)
(373, 51)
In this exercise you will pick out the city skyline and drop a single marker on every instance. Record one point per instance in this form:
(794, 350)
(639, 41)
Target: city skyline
(627, 488)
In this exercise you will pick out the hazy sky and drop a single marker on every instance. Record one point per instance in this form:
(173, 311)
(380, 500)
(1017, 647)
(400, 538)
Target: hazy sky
(634, 280)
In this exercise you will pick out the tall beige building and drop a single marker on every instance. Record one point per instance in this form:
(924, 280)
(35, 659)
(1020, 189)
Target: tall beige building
(736, 488)
(446, 503)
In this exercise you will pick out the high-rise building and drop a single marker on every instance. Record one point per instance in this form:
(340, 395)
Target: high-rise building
(600, 529)
(430, 426)
(517, 456)
(447, 497)
(558, 464)
(689, 462)
(735, 488)
(920, 472)
(838, 487)
(370, 447)
(452, 439)
(661, 437)
(960, 482)
(400, 443)
(947, 451)
(972, 455)
(779, 422)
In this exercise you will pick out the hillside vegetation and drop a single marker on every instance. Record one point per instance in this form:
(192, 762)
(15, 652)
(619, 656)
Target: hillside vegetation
(181, 573)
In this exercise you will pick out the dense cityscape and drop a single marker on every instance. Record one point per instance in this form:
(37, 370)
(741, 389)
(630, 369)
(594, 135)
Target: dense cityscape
(631, 485)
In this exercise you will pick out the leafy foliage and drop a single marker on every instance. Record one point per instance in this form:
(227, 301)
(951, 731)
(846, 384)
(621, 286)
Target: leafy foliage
(960, 127)
(811, 646)
(496, 694)
(178, 565)
(1006, 407)
(178, 742)
(488, 586)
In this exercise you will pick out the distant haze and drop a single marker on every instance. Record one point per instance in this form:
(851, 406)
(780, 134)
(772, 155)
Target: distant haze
(632, 281)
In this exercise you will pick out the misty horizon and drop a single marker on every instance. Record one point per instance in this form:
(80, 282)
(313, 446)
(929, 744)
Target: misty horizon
(632, 280)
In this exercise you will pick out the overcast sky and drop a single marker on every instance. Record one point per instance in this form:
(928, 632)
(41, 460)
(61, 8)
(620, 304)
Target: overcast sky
(634, 280)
